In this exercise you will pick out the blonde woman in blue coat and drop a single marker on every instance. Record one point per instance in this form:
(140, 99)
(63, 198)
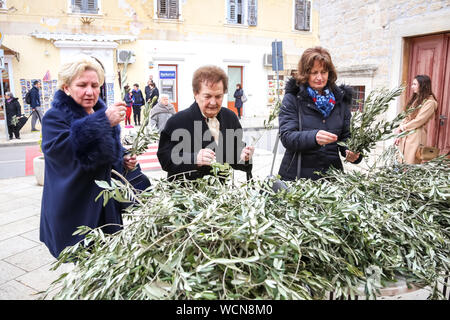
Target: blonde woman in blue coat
(81, 144)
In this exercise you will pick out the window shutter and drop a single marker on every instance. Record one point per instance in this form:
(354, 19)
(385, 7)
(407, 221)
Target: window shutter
(173, 9)
(231, 11)
(92, 6)
(77, 5)
(252, 12)
(302, 15)
(308, 16)
(299, 14)
(162, 9)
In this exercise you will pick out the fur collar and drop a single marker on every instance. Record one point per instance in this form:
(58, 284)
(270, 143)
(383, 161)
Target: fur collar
(342, 93)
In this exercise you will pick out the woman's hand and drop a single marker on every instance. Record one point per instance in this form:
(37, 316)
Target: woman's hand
(351, 156)
(116, 113)
(129, 161)
(205, 157)
(247, 153)
(324, 137)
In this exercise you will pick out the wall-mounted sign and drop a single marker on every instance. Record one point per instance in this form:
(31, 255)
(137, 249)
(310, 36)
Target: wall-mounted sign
(167, 74)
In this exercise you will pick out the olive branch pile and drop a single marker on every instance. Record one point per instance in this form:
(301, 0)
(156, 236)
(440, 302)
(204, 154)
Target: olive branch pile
(208, 240)
(368, 126)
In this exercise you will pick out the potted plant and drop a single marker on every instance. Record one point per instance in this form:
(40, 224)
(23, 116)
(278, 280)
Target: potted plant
(39, 165)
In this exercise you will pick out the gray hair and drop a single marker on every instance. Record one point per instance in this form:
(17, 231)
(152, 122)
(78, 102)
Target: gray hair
(163, 95)
(7, 93)
(71, 70)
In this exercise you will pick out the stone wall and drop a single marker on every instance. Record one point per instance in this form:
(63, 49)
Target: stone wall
(366, 32)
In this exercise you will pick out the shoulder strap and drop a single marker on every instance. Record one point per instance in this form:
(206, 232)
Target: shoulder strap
(299, 162)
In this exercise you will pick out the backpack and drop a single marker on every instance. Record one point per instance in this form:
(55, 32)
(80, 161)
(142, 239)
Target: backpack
(28, 97)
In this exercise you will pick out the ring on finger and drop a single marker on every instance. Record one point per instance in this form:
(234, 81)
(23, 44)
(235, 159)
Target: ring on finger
(122, 113)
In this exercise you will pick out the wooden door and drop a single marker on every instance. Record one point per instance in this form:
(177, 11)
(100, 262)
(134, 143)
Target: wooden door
(429, 55)
(234, 77)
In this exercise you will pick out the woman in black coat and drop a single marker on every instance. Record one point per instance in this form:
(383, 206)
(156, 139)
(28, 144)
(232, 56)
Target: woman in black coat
(12, 109)
(324, 110)
(238, 99)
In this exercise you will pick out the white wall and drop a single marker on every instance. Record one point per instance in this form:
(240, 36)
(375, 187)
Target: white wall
(191, 55)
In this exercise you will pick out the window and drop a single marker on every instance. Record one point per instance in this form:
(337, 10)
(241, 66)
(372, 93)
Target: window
(243, 12)
(302, 14)
(85, 6)
(2, 4)
(168, 9)
(358, 98)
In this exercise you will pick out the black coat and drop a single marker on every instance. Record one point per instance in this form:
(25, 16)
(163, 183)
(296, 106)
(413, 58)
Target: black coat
(197, 136)
(138, 98)
(238, 98)
(12, 109)
(35, 98)
(302, 145)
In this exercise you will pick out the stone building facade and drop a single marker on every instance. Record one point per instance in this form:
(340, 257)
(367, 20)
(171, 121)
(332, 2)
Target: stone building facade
(383, 43)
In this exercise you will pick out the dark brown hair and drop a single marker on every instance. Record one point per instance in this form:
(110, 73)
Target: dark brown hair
(423, 93)
(210, 75)
(306, 63)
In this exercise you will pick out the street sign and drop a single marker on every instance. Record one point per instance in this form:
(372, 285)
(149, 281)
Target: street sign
(167, 75)
(277, 56)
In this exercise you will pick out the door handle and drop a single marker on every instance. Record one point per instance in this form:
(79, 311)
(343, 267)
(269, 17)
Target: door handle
(442, 119)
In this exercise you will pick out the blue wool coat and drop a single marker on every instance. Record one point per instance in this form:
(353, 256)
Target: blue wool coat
(78, 149)
(301, 145)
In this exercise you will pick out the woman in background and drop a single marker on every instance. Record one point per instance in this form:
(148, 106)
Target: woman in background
(425, 104)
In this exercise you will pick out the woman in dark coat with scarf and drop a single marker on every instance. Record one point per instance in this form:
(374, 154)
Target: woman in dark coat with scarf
(81, 144)
(12, 109)
(324, 110)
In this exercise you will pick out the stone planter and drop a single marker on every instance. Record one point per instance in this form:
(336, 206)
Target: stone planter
(38, 168)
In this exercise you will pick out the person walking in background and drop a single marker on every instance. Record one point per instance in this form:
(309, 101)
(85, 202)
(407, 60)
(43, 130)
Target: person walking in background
(81, 144)
(148, 90)
(128, 97)
(238, 103)
(161, 112)
(154, 93)
(35, 104)
(425, 104)
(324, 111)
(12, 109)
(138, 102)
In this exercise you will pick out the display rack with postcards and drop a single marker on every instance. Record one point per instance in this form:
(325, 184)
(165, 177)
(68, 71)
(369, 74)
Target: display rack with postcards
(272, 88)
(46, 94)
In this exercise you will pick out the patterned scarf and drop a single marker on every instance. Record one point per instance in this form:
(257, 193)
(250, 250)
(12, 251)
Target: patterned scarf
(325, 103)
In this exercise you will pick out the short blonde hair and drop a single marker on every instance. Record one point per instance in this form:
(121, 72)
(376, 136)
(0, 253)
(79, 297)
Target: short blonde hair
(71, 70)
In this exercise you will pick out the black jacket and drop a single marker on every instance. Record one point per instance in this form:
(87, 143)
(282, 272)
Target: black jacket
(138, 98)
(187, 132)
(35, 98)
(302, 145)
(12, 109)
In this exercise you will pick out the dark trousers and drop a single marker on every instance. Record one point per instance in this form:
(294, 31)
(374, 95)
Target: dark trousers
(239, 112)
(137, 115)
(13, 129)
